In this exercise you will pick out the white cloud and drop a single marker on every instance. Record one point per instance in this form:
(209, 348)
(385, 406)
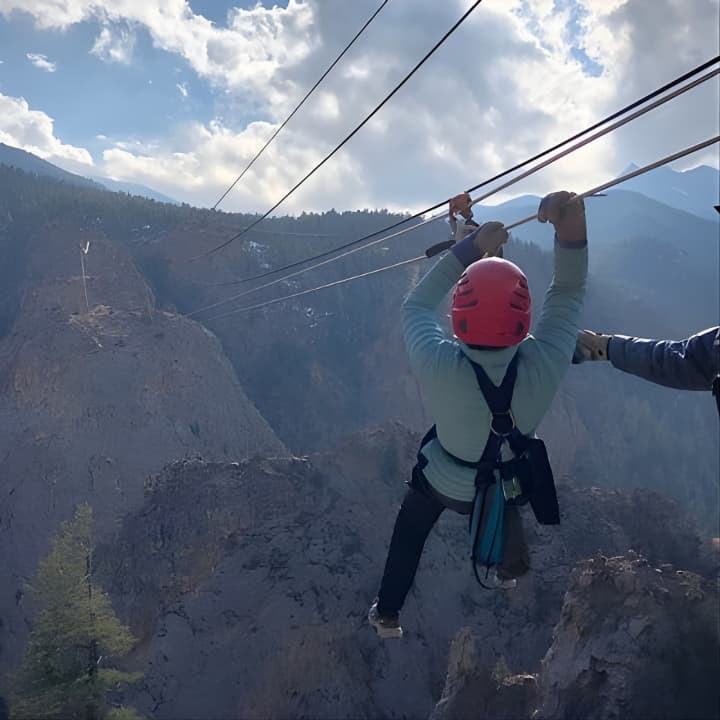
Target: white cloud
(648, 43)
(202, 160)
(358, 70)
(115, 44)
(32, 130)
(328, 106)
(41, 61)
(247, 53)
(182, 87)
(505, 88)
(507, 85)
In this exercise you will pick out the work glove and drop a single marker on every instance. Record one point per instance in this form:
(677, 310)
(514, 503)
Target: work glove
(488, 239)
(591, 346)
(567, 215)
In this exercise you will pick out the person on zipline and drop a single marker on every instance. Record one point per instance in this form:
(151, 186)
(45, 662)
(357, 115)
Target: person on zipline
(491, 313)
(689, 364)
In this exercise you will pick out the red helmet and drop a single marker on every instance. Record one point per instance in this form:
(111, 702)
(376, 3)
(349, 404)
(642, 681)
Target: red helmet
(491, 304)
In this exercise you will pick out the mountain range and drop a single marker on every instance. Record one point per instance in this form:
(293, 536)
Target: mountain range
(695, 191)
(245, 471)
(15, 157)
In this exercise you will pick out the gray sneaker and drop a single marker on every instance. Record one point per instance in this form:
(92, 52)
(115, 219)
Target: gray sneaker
(386, 626)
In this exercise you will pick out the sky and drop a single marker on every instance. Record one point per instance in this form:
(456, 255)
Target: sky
(180, 95)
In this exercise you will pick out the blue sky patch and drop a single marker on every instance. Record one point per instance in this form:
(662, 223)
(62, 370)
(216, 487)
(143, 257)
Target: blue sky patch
(577, 13)
(574, 28)
(88, 96)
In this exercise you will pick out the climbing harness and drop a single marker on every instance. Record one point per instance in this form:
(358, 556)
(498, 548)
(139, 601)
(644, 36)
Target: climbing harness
(527, 477)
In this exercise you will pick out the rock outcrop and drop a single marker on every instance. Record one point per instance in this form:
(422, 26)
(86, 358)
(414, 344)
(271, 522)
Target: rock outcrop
(95, 398)
(633, 642)
(479, 685)
(248, 584)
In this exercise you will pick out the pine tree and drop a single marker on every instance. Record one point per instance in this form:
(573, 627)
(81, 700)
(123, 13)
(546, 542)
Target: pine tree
(64, 672)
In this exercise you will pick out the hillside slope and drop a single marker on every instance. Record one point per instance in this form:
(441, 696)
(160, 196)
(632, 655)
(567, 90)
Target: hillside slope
(92, 401)
(248, 584)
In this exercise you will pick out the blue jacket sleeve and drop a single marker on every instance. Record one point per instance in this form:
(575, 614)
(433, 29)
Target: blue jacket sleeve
(689, 364)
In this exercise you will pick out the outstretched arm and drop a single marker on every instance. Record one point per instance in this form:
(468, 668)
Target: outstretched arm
(689, 364)
(557, 327)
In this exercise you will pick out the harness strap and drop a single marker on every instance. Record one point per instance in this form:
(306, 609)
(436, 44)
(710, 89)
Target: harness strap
(431, 434)
(489, 478)
(498, 399)
(502, 424)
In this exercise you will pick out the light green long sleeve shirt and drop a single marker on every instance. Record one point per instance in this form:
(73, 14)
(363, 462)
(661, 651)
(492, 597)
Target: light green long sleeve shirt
(447, 381)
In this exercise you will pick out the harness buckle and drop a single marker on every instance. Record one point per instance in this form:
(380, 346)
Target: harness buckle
(502, 424)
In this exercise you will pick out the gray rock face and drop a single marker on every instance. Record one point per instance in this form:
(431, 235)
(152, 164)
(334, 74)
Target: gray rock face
(248, 585)
(479, 686)
(93, 402)
(248, 591)
(633, 641)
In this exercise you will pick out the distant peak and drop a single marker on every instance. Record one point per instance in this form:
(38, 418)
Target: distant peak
(632, 167)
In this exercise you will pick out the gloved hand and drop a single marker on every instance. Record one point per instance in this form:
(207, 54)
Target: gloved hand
(567, 215)
(487, 240)
(591, 346)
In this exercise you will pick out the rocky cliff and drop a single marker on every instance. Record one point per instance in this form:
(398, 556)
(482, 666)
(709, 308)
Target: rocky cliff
(633, 641)
(94, 397)
(248, 584)
(246, 574)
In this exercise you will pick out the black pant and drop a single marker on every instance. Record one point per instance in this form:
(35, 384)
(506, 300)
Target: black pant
(419, 512)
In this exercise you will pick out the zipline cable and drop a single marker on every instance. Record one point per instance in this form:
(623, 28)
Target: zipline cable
(321, 287)
(630, 175)
(519, 166)
(595, 190)
(377, 109)
(300, 104)
(505, 185)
